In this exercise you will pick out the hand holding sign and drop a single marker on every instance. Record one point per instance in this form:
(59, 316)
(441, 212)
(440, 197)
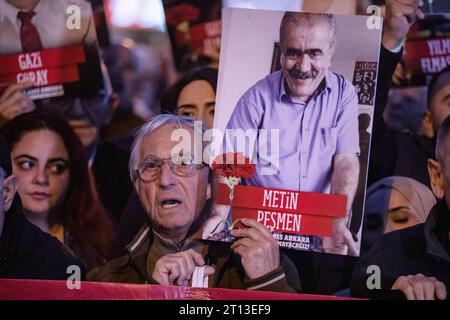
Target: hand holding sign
(420, 287)
(400, 16)
(257, 248)
(14, 102)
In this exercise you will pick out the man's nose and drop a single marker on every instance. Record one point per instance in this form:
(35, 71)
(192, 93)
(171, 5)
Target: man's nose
(167, 177)
(303, 63)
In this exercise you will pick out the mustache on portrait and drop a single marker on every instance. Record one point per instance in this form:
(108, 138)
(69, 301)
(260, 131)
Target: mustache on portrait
(300, 75)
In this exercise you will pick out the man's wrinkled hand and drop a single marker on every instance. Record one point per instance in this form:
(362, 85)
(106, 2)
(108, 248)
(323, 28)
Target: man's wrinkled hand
(257, 248)
(420, 287)
(177, 268)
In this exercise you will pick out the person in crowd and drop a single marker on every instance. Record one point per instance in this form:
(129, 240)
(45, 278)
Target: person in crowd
(175, 189)
(416, 260)
(56, 186)
(392, 150)
(86, 115)
(193, 95)
(35, 25)
(394, 203)
(405, 110)
(26, 252)
(137, 80)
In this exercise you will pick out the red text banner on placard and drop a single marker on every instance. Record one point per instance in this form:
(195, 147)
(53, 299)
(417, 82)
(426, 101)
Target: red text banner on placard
(44, 77)
(294, 212)
(428, 56)
(45, 59)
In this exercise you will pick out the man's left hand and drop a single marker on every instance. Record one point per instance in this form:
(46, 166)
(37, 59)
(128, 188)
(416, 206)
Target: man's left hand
(420, 287)
(257, 248)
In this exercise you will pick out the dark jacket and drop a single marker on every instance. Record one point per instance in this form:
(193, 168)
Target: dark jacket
(132, 219)
(230, 274)
(110, 169)
(26, 252)
(423, 248)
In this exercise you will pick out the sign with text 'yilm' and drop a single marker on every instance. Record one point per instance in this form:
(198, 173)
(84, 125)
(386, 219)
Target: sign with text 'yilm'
(53, 46)
(427, 49)
(296, 108)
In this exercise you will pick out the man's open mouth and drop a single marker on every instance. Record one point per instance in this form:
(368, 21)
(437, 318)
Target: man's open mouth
(170, 203)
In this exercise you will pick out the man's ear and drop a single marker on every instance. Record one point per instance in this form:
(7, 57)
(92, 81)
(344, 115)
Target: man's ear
(9, 189)
(436, 178)
(427, 125)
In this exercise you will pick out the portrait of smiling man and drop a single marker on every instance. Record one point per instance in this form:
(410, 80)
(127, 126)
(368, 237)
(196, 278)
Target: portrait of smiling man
(316, 113)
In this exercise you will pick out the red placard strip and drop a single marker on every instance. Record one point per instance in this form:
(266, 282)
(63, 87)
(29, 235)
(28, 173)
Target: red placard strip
(292, 223)
(45, 59)
(292, 212)
(58, 290)
(44, 77)
(311, 203)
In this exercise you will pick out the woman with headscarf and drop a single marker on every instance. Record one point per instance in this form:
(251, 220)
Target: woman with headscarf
(394, 203)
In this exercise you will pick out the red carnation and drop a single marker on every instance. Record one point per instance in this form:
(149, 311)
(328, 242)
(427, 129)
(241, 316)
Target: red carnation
(233, 165)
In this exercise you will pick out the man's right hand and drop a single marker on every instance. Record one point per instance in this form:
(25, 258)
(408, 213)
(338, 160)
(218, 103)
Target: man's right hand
(400, 16)
(177, 268)
(419, 287)
(13, 102)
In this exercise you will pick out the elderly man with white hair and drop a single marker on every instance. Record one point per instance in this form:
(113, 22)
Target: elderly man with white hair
(174, 186)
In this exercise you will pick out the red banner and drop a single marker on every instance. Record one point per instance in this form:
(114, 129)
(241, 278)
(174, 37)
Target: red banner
(45, 59)
(44, 77)
(293, 212)
(428, 56)
(58, 290)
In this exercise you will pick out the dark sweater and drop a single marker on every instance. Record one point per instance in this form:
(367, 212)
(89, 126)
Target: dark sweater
(26, 252)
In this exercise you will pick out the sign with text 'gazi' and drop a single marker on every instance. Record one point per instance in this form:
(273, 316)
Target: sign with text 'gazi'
(45, 68)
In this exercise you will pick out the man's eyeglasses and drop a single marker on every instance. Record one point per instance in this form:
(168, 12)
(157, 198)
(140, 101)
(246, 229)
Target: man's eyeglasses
(150, 169)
